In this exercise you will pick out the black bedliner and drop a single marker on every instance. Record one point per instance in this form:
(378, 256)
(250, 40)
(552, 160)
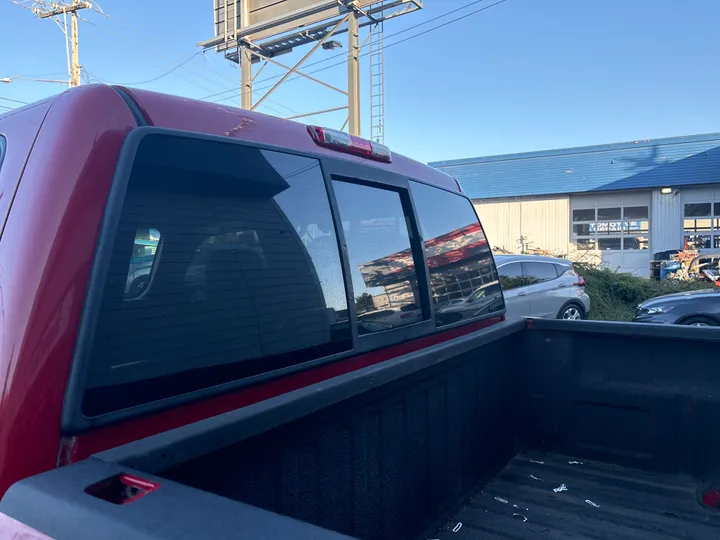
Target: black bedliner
(600, 502)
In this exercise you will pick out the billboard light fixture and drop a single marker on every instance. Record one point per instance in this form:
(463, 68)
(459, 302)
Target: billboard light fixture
(332, 45)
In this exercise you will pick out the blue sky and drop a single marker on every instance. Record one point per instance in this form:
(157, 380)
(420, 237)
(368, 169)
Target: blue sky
(525, 75)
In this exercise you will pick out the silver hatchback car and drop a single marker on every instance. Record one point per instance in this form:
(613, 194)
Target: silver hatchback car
(546, 287)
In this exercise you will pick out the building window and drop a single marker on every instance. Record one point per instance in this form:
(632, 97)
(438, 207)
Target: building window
(611, 228)
(702, 225)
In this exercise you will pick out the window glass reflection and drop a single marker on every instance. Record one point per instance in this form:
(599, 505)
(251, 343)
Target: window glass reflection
(463, 279)
(382, 265)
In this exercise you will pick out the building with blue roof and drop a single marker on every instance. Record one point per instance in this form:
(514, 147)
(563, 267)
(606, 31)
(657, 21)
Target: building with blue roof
(620, 202)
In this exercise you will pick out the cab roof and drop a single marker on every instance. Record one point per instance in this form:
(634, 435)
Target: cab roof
(174, 112)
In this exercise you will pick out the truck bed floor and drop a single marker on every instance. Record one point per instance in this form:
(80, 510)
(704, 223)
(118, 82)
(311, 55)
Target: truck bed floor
(599, 502)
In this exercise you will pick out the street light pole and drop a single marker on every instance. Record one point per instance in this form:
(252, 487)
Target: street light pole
(11, 79)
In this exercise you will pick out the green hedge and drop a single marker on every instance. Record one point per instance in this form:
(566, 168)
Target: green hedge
(615, 295)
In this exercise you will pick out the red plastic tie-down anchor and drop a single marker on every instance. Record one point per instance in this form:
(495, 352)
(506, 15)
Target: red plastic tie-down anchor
(122, 488)
(711, 499)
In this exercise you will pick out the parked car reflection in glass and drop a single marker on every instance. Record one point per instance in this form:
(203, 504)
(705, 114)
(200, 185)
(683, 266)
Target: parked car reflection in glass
(141, 262)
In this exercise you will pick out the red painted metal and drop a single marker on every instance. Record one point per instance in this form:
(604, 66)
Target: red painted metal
(712, 499)
(212, 118)
(85, 445)
(45, 257)
(46, 252)
(144, 486)
(20, 127)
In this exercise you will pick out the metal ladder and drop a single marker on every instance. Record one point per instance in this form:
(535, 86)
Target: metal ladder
(377, 83)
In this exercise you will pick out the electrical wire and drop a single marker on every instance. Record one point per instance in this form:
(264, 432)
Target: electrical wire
(442, 16)
(14, 100)
(163, 69)
(239, 93)
(168, 72)
(125, 40)
(182, 65)
(7, 108)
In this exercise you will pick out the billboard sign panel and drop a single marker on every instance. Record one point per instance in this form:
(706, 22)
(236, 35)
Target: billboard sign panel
(271, 18)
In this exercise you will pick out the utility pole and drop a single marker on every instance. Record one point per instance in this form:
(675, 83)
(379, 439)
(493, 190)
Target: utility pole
(61, 9)
(353, 72)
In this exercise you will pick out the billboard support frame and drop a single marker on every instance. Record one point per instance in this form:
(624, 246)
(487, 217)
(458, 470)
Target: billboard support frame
(252, 31)
(301, 61)
(245, 60)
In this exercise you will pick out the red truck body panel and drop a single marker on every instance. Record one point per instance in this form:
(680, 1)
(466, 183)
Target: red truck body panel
(45, 257)
(213, 119)
(47, 250)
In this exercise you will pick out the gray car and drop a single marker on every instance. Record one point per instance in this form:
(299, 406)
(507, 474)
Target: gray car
(692, 308)
(546, 287)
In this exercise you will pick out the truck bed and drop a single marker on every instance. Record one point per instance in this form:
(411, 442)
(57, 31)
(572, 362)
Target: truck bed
(397, 450)
(600, 501)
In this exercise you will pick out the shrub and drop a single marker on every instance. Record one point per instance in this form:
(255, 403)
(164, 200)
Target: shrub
(615, 295)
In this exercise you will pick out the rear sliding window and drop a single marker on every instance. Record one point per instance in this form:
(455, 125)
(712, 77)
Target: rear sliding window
(382, 264)
(463, 278)
(225, 265)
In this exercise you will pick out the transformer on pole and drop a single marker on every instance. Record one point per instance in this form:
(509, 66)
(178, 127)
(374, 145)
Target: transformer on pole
(251, 31)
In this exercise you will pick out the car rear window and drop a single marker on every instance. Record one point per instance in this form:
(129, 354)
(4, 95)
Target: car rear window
(225, 264)
(538, 272)
(458, 254)
(382, 264)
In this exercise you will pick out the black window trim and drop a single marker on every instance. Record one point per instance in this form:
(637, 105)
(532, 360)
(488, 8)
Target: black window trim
(73, 422)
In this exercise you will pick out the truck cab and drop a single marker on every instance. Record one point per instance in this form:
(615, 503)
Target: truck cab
(167, 260)
(219, 324)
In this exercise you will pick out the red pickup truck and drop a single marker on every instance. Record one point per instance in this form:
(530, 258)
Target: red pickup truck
(218, 324)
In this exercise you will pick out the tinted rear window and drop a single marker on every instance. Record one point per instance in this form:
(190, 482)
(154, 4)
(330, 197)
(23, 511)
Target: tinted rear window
(537, 272)
(382, 264)
(225, 265)
(458, 255)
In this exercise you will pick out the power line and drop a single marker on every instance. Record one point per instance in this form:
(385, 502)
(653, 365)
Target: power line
(175, 51)
(386, 46)
(14, 100)
(327, 59)
(168, 72)
(165, 59)
(442, 16)
(99, 10)
(162, 69)
(7, 108)
(152, 52)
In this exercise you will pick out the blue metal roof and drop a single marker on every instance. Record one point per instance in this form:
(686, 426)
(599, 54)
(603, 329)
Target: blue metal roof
(675, 161)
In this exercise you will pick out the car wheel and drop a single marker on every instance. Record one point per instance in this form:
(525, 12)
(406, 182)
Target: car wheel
(572, 312)
(699, 321)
